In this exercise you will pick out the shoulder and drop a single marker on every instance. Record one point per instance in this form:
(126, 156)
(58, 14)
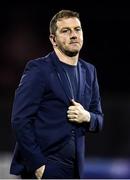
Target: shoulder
(38, 61)
(39, 64)
(86, 65)
(90, 69)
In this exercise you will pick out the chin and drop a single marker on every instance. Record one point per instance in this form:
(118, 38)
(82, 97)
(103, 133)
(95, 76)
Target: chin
(71, 53)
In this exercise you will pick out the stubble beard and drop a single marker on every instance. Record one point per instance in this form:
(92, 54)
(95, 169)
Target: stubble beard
(71, 53)
(68, 52)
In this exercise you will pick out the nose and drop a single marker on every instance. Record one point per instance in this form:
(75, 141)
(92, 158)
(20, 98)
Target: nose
(73, 35)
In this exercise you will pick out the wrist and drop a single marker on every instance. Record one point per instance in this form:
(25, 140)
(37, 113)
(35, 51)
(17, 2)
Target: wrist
(87, 116)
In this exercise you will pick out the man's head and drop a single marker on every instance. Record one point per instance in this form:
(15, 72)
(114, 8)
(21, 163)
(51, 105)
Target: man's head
(66, 33)
(63, 14)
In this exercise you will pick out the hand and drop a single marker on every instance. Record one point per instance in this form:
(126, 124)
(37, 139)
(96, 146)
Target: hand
(76, 113)
(39, 172)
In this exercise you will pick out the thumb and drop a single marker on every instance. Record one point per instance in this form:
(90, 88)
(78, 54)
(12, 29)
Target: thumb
(74, 102)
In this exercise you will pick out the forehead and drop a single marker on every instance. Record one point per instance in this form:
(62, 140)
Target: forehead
(68, 22)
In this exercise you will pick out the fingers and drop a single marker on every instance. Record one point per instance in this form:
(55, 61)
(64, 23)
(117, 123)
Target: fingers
(39, 172)
(75, 112)
(71, 107)
(72, 111)
(72, 116)
(74, 108)
(72, 119)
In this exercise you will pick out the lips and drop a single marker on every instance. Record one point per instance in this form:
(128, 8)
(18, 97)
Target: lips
(74, 42)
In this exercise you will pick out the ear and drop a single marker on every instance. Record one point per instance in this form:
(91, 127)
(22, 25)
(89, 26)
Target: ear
(52, 39)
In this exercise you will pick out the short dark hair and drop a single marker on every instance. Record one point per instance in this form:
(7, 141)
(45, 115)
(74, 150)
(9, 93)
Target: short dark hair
(61, 14)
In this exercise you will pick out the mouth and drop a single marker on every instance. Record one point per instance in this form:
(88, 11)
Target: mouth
(74, 42)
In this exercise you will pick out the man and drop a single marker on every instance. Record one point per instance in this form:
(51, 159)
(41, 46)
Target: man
(56, 103)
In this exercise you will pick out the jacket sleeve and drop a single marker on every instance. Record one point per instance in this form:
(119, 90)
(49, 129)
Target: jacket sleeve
(26, 103)
(96, 121)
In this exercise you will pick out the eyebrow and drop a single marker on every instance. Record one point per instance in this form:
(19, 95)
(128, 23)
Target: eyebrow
(70, 27)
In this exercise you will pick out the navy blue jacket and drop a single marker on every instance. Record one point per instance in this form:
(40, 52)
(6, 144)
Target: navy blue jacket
(39, 114)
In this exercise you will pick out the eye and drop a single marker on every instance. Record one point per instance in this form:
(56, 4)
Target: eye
(65, 30)
(78, 29)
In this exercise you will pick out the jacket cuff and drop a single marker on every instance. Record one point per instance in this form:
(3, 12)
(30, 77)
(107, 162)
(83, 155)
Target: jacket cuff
(93, 122)
(36, 162)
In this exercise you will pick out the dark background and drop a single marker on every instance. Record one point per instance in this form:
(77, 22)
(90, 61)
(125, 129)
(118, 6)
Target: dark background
(24, 31)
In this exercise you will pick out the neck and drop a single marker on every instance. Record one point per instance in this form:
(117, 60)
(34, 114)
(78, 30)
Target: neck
(66, 59)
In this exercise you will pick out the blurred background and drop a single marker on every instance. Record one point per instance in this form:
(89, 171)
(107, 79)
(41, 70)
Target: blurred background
(24, 31)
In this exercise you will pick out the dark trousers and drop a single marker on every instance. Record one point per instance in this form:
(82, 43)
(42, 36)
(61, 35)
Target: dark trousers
(61, 165)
